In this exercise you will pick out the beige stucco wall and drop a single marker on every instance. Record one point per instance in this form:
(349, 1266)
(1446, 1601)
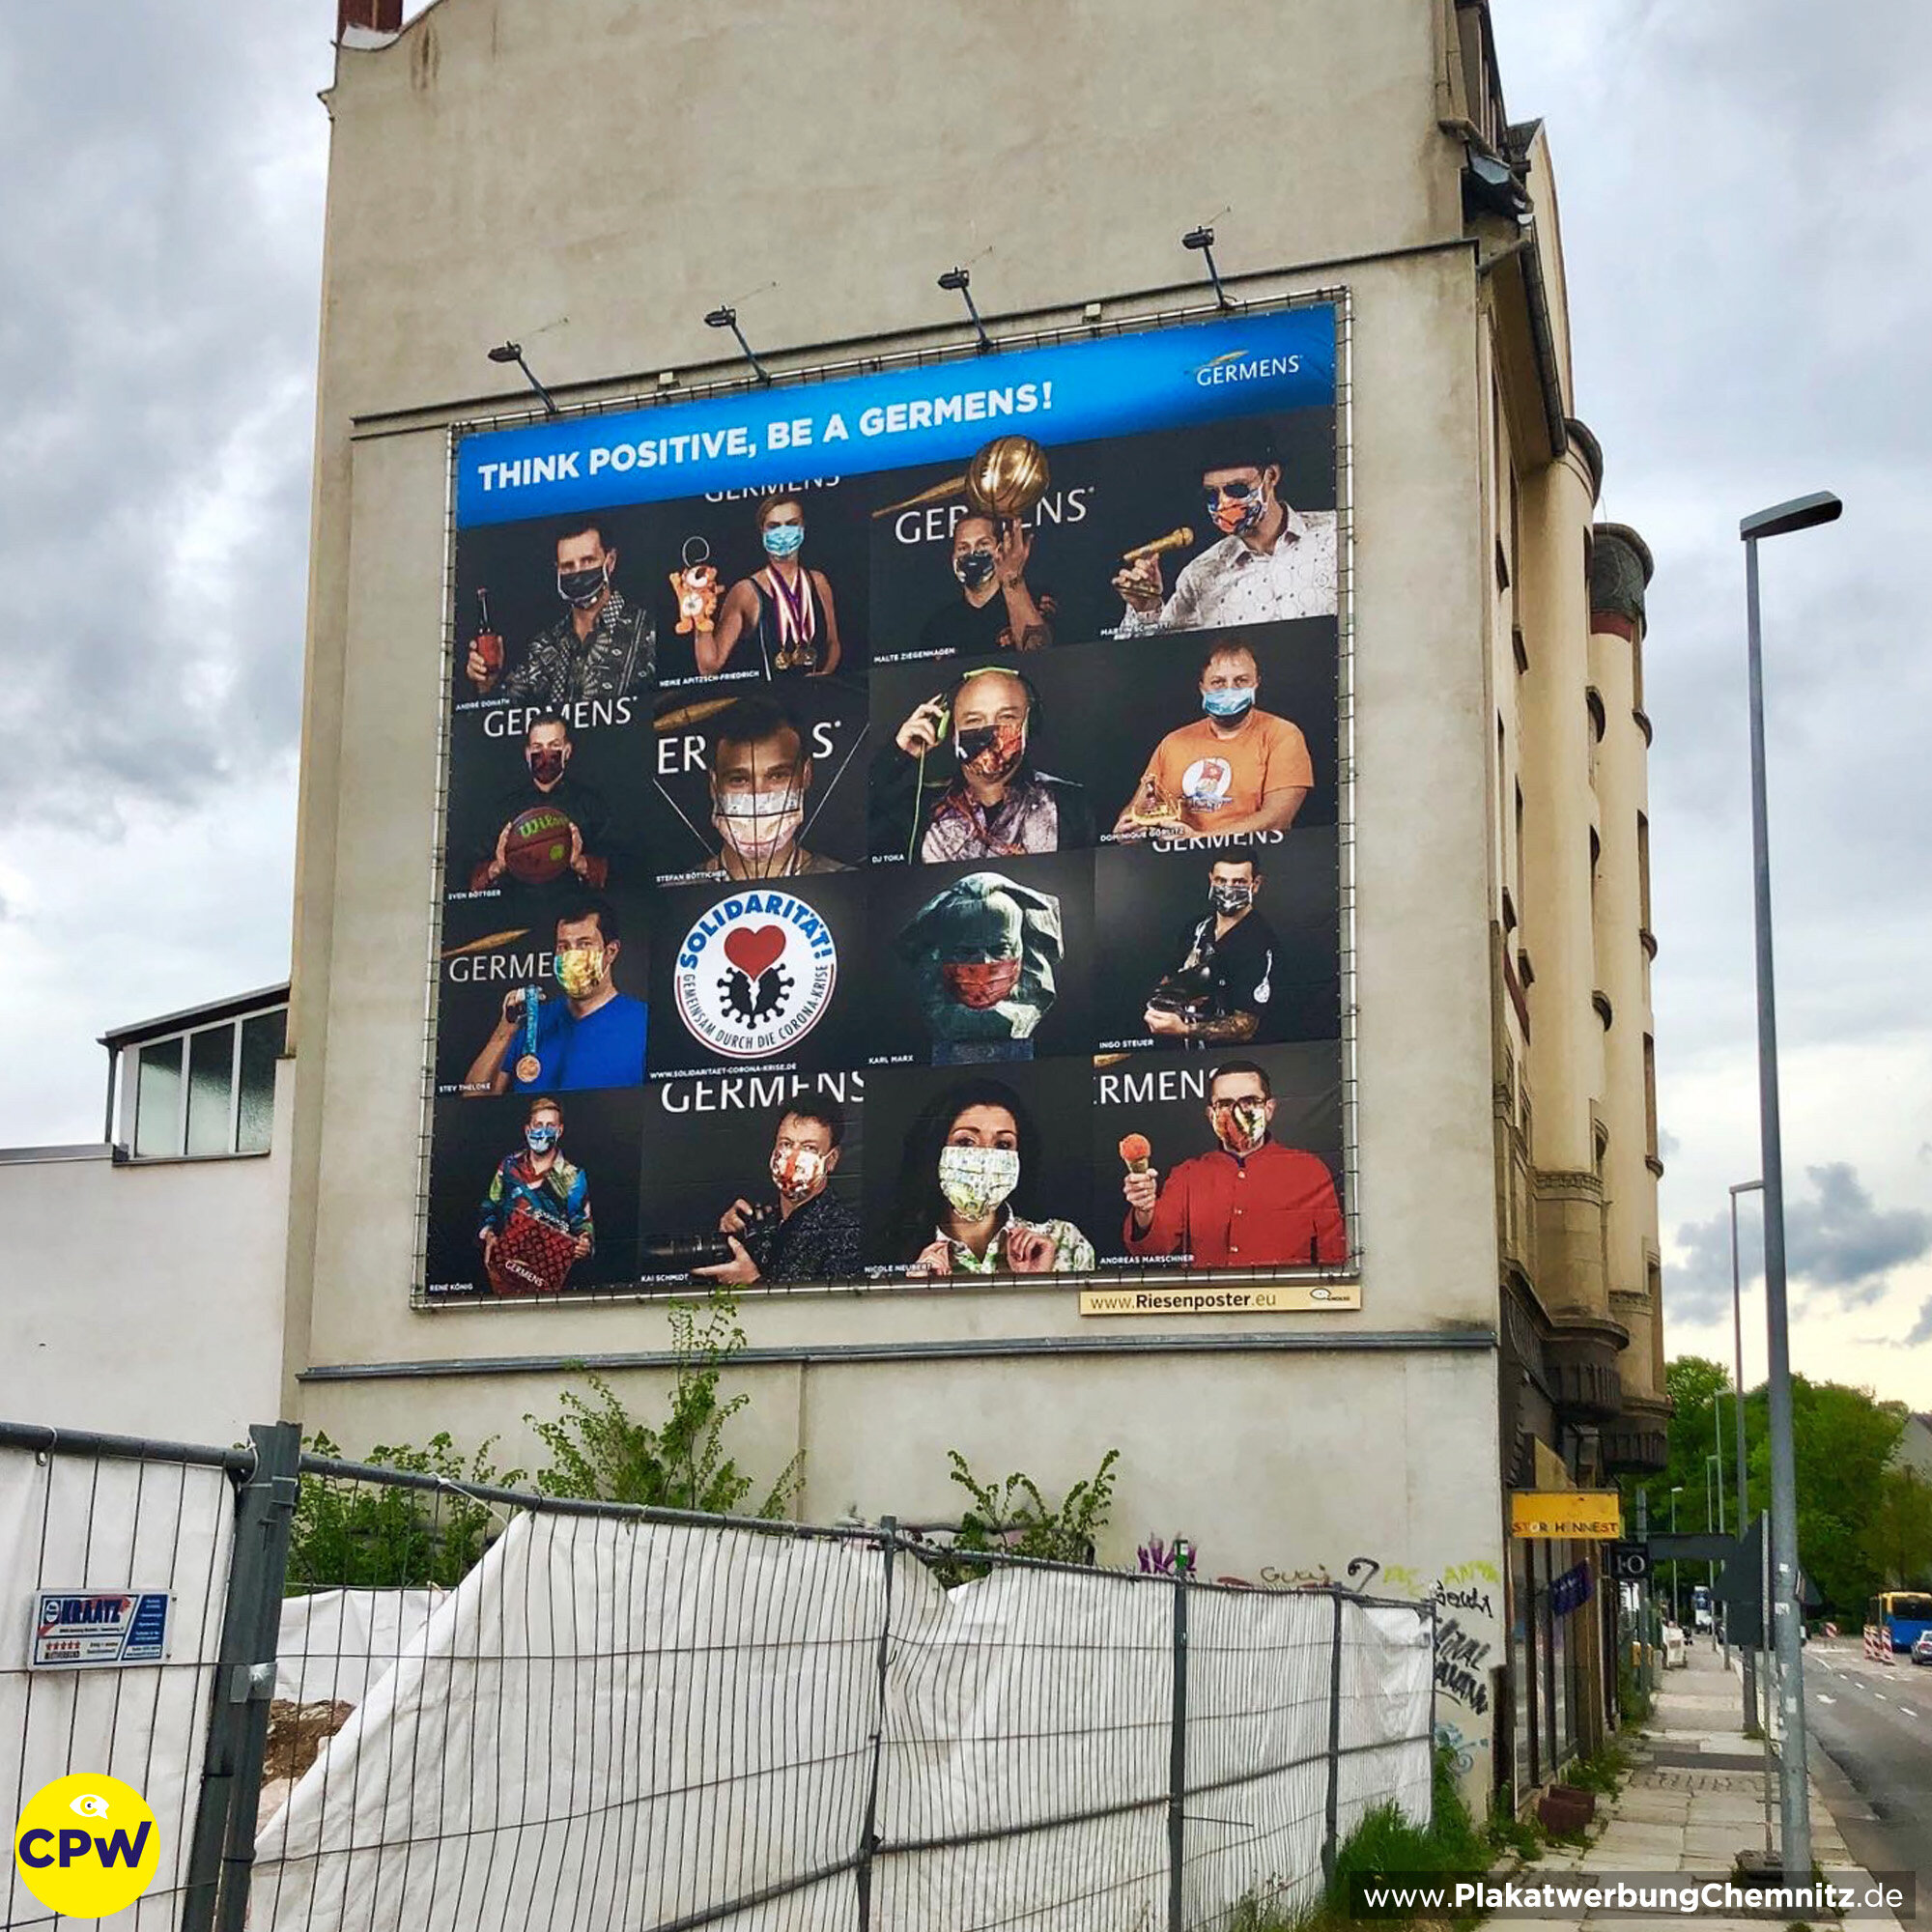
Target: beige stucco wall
(1623, 971)
(491, 174)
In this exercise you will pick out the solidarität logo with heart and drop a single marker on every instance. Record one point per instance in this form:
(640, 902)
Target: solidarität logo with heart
(754, 973)
(754, 948)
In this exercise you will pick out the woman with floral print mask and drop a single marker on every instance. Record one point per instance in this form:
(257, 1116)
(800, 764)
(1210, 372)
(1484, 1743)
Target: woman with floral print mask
(963, 1209)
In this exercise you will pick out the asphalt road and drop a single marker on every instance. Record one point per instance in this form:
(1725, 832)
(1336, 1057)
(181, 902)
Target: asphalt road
(1874, 1722)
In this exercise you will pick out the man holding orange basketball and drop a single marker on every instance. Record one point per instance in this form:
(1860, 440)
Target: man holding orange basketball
(550, 800)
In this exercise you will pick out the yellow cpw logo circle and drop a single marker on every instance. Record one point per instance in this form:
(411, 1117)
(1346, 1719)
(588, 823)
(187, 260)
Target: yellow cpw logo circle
(87, 1845)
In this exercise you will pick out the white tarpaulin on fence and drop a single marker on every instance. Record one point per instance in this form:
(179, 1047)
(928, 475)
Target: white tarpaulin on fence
(617, 1723)
(334, 1644)
(75, 1523)
(609, 1723)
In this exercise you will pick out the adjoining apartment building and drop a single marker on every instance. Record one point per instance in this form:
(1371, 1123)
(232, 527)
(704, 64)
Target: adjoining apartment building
(588, 182)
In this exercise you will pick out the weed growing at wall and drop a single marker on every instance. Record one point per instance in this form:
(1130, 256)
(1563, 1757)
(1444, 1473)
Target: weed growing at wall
(1018, 1518)
(1386, 1841)
(349, 1535)
(601, 1452)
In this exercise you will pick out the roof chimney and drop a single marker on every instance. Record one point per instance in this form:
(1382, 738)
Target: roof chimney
(359, 22)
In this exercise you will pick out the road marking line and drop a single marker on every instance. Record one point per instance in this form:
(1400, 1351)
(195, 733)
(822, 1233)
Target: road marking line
(1823, 1699)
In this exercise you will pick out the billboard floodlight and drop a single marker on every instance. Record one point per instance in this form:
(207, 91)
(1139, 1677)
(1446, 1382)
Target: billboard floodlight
(513, 352)
(1202, 241)
(961, 282)
(724, 316)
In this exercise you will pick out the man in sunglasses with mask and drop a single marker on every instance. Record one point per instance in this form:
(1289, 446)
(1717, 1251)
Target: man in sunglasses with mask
(548, 781)
(1222, 992)
(995, 610)
(1249, 1201)
(602, 646)
(1271, 560)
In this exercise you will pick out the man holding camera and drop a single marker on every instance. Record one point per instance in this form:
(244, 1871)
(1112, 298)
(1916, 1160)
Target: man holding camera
(814, 1234)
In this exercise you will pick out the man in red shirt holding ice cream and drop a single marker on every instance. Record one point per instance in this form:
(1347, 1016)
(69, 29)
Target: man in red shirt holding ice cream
(1251, 1203)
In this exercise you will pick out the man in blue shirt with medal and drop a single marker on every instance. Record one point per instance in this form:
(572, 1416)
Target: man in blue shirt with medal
(593, 1037)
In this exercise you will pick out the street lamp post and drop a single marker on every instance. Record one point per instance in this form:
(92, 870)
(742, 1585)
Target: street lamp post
(1675, 1617)
(1749, 1656)
(1794, 1800)
(1714, 1485)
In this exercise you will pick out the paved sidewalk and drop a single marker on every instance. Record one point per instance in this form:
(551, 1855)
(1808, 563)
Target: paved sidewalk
(1695, 1803)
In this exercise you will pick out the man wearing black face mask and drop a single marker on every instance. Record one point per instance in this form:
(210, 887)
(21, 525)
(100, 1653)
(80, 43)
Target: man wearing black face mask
(995, 610)
(548, 750)
(959, 781)
(602, 646)
(1223, 989)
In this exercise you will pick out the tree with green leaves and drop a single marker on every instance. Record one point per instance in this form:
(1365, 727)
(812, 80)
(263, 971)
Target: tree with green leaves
(1842, 1441)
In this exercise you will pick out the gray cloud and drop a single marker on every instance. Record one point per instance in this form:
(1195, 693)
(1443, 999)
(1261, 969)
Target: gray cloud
(156, 355)
(1840, 1248)
(1921, 1329)
(162, 262)
(1744, 331)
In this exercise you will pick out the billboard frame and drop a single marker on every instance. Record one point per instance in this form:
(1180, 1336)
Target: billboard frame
(1317, 1290)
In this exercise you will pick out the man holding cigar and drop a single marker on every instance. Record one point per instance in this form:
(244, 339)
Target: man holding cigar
(1250, 1203)
(1272, 561)
(602, 646)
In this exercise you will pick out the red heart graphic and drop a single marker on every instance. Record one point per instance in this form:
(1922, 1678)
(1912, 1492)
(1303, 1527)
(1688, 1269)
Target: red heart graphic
(752, 947)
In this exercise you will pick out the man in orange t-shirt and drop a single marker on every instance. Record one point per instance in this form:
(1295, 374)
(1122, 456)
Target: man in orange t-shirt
(1235, 771)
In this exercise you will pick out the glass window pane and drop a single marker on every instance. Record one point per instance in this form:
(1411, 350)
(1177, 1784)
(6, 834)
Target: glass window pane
(157, 1100)
(261, 1047)
(211, 1086)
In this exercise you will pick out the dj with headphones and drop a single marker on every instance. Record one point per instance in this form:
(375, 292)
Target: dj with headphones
(959, 781)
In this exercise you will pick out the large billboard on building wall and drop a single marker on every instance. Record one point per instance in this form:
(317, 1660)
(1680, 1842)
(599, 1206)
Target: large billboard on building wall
(894, 833)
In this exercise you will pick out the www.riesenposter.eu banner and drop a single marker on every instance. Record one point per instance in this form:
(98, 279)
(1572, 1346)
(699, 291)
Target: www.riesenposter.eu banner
(891, 833)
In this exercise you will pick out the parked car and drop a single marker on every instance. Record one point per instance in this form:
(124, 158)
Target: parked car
(1922, 1651)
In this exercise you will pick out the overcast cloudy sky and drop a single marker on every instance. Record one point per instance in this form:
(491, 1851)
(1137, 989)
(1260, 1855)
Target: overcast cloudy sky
(1745, 222)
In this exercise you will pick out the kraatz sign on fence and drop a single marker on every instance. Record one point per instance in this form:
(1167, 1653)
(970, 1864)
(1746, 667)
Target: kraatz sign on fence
(893, 831)
(74, 1629)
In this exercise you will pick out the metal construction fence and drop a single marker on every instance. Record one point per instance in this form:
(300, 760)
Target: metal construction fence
(394, 1700)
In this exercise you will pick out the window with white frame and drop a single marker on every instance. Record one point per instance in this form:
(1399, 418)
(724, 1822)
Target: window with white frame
(206, 1093)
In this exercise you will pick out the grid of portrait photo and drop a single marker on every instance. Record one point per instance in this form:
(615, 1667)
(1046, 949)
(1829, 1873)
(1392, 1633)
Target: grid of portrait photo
(927, 873)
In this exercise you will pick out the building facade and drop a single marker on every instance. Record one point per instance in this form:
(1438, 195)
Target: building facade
(588, 180)
(144, 1290)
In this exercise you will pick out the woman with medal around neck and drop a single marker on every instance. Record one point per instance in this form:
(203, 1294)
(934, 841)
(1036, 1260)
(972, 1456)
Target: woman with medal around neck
(785, 608)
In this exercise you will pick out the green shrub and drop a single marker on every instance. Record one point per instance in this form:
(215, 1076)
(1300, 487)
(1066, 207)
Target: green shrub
(1016, 1519)
(356, 1535)
(601, 1452)
(1386, 1841)
(1602, 1769)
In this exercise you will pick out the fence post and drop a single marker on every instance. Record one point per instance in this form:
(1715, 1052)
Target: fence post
(221, 1851)
(869, 1836)
(1331, 1809)
(1434, 1630)
(1176, 1759)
